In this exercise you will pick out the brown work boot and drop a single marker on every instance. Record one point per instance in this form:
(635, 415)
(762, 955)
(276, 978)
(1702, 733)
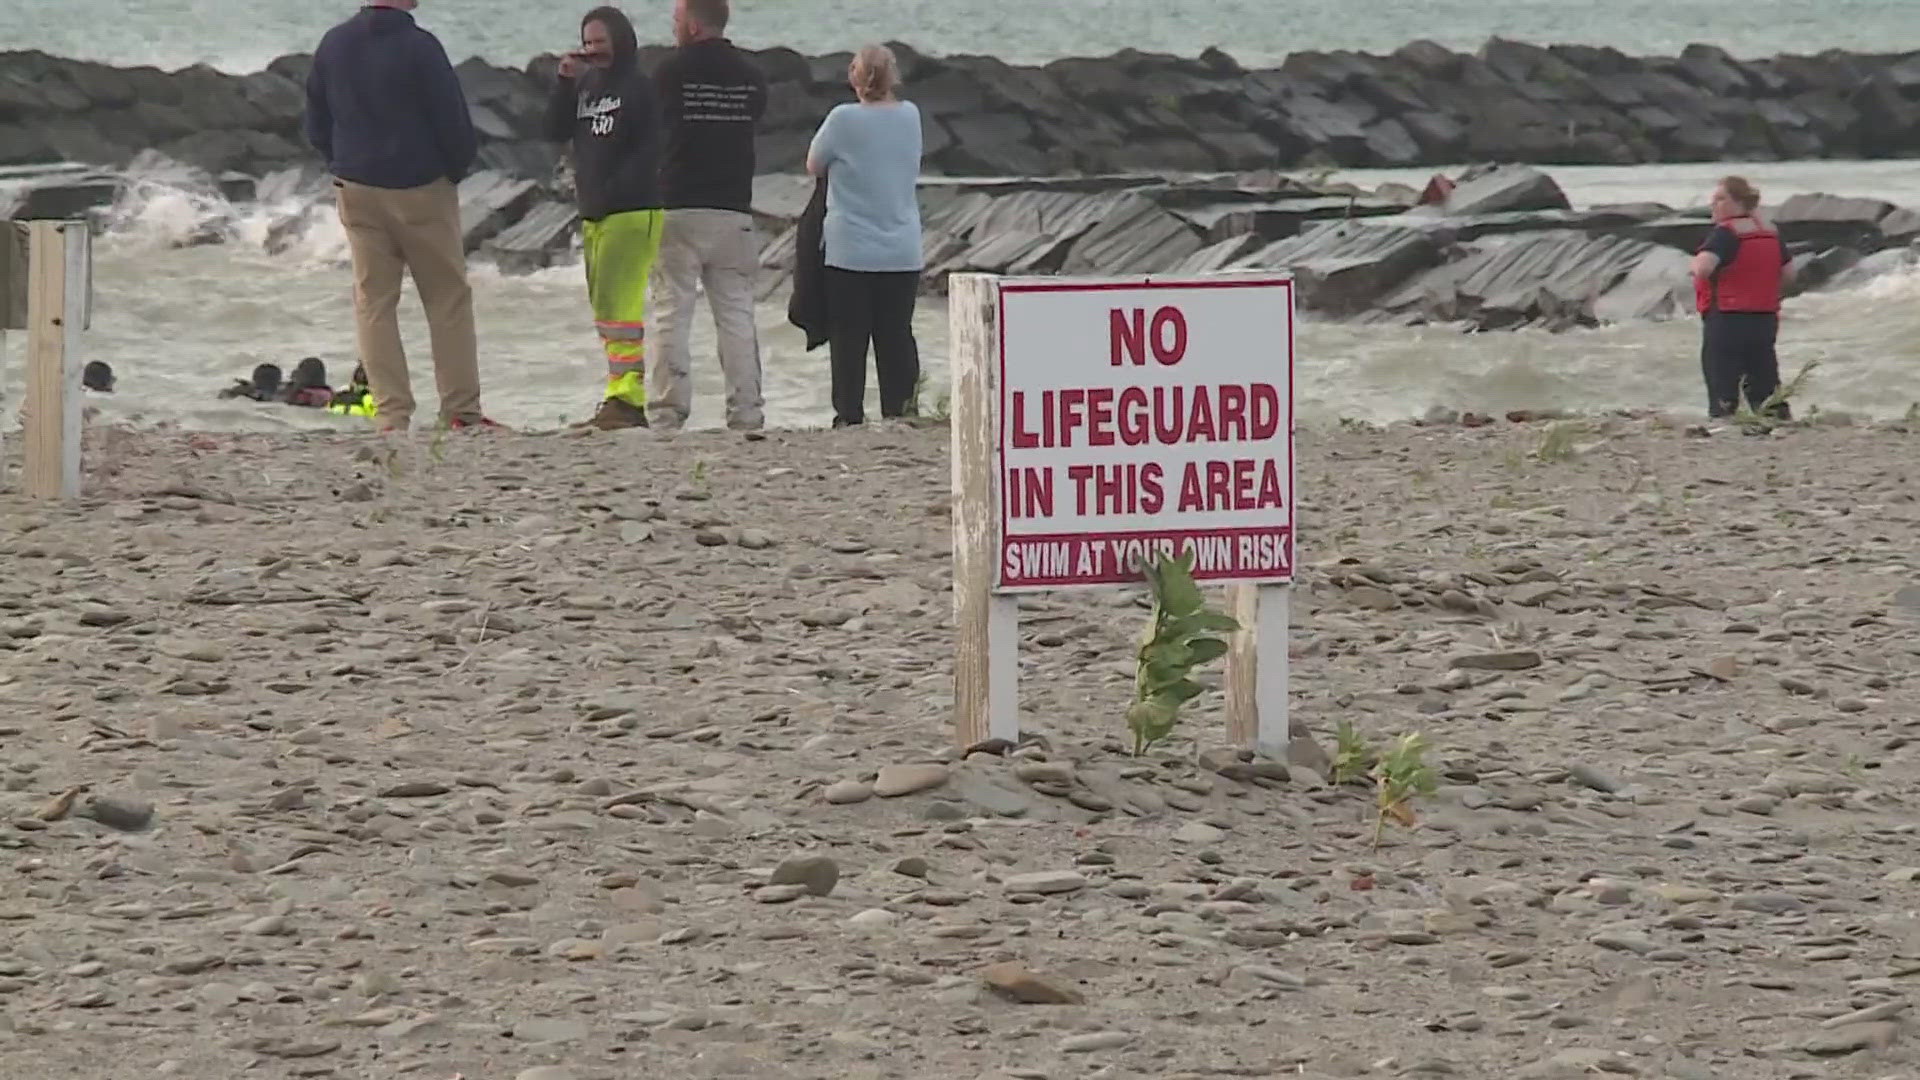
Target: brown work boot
(616, 415)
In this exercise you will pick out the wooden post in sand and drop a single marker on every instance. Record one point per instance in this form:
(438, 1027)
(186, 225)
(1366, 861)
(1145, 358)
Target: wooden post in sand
(1098, 424)
(59, 288)
(986, 659)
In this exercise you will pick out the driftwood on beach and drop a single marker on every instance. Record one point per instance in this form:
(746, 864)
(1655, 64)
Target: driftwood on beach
(1420, 105)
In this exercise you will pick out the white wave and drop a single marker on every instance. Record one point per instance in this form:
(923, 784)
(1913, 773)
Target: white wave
(1902, 284)
(275, 287)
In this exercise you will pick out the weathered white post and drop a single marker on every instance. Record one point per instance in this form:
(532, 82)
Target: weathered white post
(59, 287)
(986, 660)
(1098, 423)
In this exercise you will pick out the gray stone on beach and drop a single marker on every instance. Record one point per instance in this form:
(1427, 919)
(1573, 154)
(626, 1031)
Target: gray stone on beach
(119, 812)
(817, 873)
(1046, 883)
(848, 792)
(1512, 660)
(897, 780)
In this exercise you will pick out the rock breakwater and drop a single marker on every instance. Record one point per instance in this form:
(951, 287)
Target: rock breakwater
(1423, 104)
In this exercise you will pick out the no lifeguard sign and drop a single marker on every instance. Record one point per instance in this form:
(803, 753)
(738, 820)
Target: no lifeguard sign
(1097, 423)
(1143, 417)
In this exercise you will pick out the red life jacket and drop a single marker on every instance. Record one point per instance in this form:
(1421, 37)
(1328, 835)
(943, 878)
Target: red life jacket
(1750, 281)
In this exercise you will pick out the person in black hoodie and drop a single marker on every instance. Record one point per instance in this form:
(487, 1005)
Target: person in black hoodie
(711, 96)
(609, 111)
(385, 109)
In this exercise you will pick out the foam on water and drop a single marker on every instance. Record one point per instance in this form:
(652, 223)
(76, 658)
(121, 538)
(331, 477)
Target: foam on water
(179, 320)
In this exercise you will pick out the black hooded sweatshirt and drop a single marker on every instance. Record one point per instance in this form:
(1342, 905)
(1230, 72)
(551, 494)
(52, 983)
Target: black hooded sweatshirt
(612, 117)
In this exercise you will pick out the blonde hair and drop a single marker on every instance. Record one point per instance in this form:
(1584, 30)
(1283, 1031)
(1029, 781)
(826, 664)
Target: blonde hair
(875, 73)
(1741, 192)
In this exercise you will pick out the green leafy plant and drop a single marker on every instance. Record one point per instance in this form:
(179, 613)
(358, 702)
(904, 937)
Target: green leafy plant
(1182, 635)
(1769, 414)
(1353, 758)
(1401, 775)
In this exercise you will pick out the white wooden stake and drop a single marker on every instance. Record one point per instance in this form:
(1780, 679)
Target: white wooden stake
(4, 383)
(986, 662)
(57, 299)
(1257, 717)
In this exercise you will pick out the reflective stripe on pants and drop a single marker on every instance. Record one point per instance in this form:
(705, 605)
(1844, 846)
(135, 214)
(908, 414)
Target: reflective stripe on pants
(620, 252)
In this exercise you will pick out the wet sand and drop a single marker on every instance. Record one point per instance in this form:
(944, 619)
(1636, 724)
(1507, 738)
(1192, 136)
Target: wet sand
(328, 756)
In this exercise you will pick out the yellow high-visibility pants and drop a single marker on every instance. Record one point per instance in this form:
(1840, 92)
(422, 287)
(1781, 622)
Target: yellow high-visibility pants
(620, 250)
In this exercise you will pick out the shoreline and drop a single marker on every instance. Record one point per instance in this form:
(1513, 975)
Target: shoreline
(1420, 105)
(487, 769)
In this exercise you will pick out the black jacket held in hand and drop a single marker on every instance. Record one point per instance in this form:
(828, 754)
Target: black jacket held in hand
(807, 306)
(612, 117)
(384, 106)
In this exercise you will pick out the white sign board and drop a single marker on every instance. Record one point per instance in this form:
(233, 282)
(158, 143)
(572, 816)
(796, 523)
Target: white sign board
(1144, 417)
(1098, 423)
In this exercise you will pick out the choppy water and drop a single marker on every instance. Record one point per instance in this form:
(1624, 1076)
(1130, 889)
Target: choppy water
(179, 32)
(180, 323)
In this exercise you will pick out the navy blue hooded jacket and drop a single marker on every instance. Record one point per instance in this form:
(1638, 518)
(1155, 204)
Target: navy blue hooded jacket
(384, 106)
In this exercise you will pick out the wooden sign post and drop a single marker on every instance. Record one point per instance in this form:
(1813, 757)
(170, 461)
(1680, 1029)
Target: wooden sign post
(59, 300)
(1099, 423)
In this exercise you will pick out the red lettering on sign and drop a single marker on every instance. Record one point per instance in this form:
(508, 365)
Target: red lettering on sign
(1244, 484)
(1118, 489)
(1169, 336)
(1030, 492)
(1139, 415)
(1135, 425)
(1169, 414)
(1265, 413)
(1100, 416)
(1022, 438)
(1152, 498)
(1130, 336)
(1200, 425)
(1127, 331)
(1071, 415)
(1233, 412)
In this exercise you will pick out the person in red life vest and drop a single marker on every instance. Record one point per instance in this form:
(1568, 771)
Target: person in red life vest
(1737, 275)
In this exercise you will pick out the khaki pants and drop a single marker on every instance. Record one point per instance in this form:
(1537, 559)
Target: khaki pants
(717, 249)
(416, 230)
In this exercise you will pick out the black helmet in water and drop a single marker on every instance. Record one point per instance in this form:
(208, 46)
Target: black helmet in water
(309, 373)
(616, 46)
(97, 375)
(266, 379)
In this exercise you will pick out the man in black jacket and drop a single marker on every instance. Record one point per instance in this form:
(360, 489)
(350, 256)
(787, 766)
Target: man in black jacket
(605, 106)
(711, 96)
(386, 110)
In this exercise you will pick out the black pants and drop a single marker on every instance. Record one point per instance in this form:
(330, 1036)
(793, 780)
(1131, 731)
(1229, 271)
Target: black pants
(874, 308)
(1736, 352)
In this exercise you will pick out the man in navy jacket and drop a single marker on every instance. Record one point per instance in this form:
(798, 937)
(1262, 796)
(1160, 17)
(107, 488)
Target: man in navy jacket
(386, 110)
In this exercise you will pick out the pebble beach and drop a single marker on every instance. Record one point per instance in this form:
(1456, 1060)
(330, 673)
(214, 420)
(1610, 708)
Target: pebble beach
(547, 757)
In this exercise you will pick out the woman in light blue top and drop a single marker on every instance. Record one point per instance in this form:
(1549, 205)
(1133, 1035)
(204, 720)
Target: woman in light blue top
(870, 154)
